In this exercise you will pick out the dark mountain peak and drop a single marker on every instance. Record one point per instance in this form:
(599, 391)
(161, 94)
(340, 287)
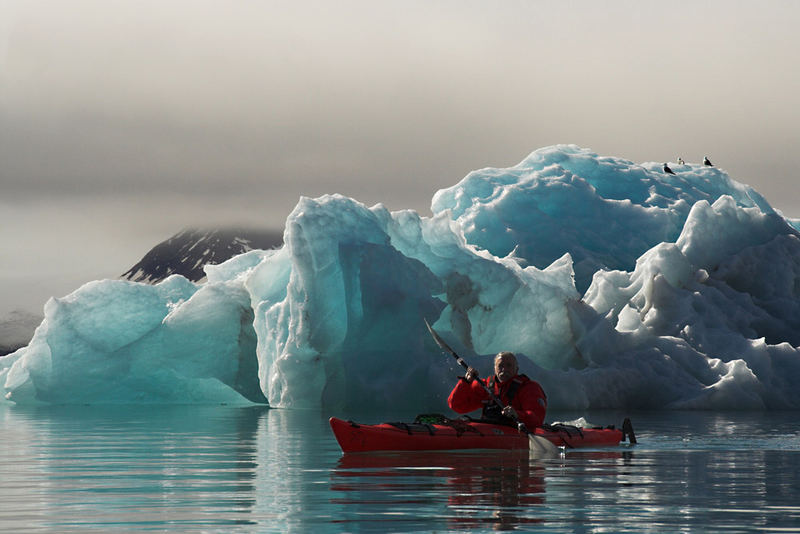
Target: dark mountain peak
(16, 330)
(189, 250)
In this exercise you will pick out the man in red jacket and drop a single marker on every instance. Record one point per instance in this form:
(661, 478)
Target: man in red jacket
(523, 398)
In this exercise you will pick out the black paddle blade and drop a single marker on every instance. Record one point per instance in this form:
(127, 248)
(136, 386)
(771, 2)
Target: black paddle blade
(444, 346)
(439, 341)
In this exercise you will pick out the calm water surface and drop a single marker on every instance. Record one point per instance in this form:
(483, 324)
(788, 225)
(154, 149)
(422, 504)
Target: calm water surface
(225, 469)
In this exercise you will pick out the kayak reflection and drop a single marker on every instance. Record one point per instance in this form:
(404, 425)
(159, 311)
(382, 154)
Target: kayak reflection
(486, 489)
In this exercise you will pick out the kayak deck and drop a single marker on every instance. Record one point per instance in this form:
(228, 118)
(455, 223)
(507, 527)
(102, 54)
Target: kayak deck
(458, 434)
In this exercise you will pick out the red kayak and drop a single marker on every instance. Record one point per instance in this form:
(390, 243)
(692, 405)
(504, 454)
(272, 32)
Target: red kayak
(460, 434)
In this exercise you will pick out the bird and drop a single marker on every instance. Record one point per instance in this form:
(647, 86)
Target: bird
(667, 169)
(707, 162)
(680, 161)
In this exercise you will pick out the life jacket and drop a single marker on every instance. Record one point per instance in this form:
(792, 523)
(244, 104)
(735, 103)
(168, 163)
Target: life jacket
(494, 413)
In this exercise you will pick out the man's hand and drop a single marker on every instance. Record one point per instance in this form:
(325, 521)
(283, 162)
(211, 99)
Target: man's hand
(471, 375)
(508, 411)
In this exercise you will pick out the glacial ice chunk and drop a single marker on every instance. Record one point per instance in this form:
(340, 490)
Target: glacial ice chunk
(618, 286)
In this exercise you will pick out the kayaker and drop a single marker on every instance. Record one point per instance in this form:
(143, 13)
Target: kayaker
(522, 397)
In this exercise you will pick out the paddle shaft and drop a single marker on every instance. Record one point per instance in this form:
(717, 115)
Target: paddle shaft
(439, 341)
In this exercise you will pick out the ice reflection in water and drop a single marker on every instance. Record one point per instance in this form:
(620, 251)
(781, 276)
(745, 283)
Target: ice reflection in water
(219, 469)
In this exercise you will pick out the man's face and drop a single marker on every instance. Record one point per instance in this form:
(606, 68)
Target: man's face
(505, 367)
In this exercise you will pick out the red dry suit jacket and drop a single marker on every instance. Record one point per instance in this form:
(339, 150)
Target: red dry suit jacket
(528, 400)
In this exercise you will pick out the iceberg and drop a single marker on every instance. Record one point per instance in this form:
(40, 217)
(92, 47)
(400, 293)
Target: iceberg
(618, 286)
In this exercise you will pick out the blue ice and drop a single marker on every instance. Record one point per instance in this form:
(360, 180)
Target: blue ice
(619, 286)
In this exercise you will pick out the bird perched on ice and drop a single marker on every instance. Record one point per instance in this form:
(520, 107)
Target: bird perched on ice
(707, 162)
(667, 169)
(680, 161)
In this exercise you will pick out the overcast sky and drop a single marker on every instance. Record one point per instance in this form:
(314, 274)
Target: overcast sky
(122, 122)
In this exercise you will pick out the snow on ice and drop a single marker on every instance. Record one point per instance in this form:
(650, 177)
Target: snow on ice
(619, 286)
